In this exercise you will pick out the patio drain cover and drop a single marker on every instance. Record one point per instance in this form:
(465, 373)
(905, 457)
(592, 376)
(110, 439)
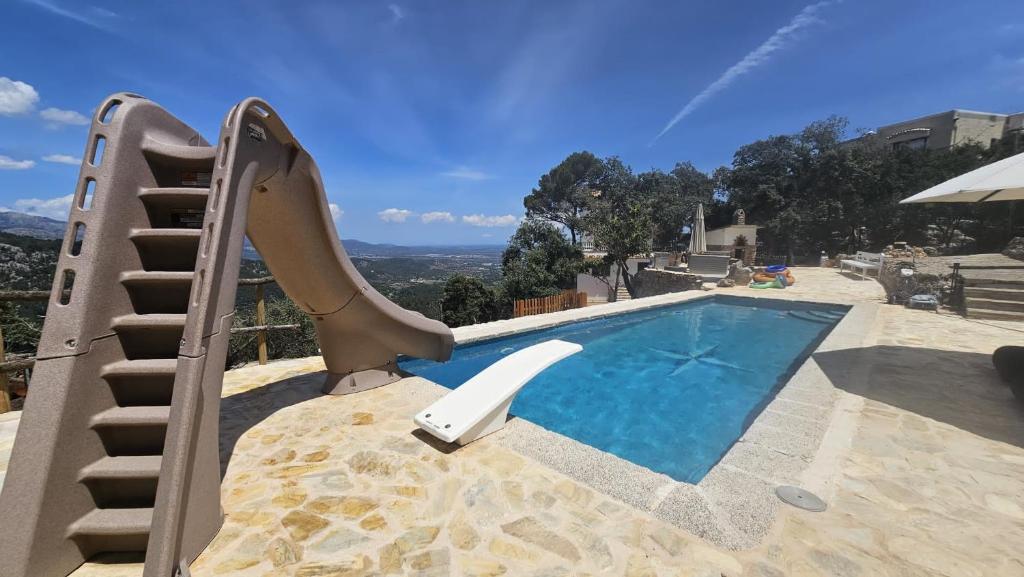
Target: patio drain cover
(800, 498)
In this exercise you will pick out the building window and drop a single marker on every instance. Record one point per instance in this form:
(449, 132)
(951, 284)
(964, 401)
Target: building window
(912, 144)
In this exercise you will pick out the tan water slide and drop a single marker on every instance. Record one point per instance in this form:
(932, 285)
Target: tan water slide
(117, 449)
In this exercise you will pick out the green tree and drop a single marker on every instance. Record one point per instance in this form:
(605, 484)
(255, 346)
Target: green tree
(675, 196)
(468, 301)
(539, 261)
(620, 217)
(561, 194)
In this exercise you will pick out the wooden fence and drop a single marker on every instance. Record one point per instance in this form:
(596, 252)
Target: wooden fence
(15, 363)
(568, 299)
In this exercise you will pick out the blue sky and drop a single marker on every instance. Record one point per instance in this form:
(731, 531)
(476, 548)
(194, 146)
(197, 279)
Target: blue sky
(430, 121)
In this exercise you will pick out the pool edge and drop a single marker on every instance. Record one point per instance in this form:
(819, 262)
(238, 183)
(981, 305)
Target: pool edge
(734, 505)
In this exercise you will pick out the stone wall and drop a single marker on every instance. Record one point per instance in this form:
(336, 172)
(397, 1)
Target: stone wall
(649, 283)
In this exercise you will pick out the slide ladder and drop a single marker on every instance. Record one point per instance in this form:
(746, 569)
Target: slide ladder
(117, 452)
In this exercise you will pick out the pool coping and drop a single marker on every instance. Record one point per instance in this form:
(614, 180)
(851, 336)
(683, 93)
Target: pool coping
(795, 440)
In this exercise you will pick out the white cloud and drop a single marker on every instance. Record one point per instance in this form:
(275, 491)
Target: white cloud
(57, 117)
(336, 212)
(63, 159)
(489, 221)
(395, 214)
(466, 173)
(16, 97)
(55, 208)
(780, 39)
(99, 18)
(397, 13)
(8, 163)
(437, 216)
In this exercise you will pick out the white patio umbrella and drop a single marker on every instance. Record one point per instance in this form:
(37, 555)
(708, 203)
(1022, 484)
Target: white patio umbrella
(1003, 180)
(698, 242)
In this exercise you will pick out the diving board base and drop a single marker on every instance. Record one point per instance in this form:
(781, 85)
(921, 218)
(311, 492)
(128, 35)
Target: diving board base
(348, 383)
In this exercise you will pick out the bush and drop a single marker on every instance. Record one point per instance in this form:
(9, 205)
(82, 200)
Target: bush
(468, 301)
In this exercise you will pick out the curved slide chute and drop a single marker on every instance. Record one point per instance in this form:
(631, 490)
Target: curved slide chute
(117, 450)
(291, 226)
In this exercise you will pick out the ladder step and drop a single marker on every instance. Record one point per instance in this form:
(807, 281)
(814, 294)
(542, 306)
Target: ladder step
(113, 522)
(167, 249)
(131, 467)
(177, 152)
(141, 367)
(131, 417)
(142, 278)
(153, 321)
(165, 235)
(195, 197)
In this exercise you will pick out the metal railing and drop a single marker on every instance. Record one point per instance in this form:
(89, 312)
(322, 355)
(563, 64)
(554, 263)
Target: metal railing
(22, 362)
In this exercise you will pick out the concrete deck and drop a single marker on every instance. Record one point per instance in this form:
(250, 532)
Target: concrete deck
(920, 456)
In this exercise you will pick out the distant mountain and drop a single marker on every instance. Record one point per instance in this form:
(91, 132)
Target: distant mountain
(366, 249)
(29, 225)
(47, 228)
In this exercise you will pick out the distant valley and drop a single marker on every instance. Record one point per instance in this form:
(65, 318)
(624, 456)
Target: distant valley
(42, 227)
(412, 276)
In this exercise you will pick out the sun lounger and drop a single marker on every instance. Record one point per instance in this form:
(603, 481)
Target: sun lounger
(711, 267)
(479, 407)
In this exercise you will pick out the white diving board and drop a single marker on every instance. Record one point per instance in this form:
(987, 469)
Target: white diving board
(480, 406)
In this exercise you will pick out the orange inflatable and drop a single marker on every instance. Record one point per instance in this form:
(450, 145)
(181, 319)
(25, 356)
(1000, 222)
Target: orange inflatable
(770, 276)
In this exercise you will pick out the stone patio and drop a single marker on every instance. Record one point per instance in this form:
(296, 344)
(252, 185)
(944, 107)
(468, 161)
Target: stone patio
(922, 464)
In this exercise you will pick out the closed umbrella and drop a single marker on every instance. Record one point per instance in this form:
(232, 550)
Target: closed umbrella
(1003, 180)
(698, 242)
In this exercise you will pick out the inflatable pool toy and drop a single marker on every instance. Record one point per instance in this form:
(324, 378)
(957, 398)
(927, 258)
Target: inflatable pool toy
(768, 277)
(774, 283)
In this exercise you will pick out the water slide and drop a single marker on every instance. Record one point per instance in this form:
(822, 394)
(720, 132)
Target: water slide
(117, 450)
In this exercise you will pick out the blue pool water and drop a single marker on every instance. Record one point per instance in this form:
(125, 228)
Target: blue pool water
(670, 389)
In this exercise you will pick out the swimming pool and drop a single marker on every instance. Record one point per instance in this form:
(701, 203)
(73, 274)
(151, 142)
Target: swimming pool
(670, 388)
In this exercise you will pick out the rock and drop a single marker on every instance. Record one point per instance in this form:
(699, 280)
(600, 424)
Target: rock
(354, 568)
(373, 464)
(930, 251)
(316, 456)
(410, 491)
(278, 457)
(726, 283)
(351, 507)
(1015, 248)
(362, 419)
(640, 566)
(835, 564)
(652, 282)
(416, 538)
(282, 552)
(301, 525)
(339, 540)
(530, 530)
(432, 562)
(290, 498)
(473, 567)
(462, 534)
(373, 523)
(390, 559)
(739, 274)
(510, 550)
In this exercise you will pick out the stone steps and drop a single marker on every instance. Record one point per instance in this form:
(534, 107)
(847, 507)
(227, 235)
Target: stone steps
(1016, 305)
(1002, 292)
(994, 315)
(994, 298)
(622, 294)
